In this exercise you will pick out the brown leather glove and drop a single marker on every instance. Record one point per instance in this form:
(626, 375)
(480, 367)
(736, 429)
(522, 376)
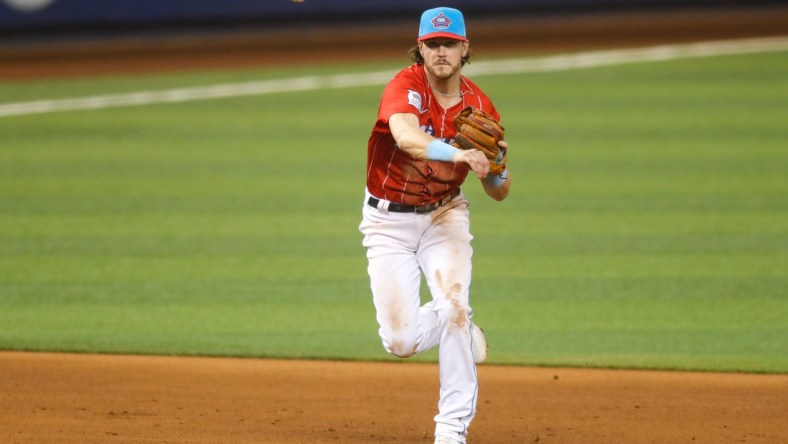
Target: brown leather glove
(480, 131)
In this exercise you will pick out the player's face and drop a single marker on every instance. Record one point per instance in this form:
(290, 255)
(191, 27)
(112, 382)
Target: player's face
(442, 56)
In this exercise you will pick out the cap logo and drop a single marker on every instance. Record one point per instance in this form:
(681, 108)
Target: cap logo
(441, 22)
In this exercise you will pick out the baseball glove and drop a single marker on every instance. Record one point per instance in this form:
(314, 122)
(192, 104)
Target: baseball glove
(478, 130)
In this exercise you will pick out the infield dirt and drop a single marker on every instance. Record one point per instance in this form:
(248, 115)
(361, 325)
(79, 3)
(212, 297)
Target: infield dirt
(68, 398)
(121, 399)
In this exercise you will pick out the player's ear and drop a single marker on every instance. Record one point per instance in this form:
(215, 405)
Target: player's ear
(465, 45)
(421, 45)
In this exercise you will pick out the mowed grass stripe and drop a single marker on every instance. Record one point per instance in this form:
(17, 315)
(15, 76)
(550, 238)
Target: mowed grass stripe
(310, 83)
(648, 227)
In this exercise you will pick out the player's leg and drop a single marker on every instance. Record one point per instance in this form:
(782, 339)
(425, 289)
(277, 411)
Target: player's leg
(395, 277)
(445, 257)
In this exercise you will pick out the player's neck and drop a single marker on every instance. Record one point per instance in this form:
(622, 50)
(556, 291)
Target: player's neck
(454, 94)
(445, 87)
(446, 91)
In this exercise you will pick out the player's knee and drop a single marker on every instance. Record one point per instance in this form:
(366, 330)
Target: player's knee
(455, 315)
(401, 346)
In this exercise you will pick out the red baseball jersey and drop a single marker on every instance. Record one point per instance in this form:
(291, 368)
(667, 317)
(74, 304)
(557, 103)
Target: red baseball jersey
(395, 175)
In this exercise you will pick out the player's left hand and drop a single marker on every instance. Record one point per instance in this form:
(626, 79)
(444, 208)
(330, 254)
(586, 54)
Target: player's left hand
(500, 161)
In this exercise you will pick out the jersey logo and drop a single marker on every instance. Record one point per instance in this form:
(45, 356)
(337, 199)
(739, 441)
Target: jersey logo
(441, 22)
(414, 98)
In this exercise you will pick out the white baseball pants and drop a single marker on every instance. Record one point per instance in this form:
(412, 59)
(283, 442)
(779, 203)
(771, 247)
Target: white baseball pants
(401, 247)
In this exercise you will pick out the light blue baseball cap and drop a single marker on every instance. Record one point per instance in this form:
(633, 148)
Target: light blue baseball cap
(442, 22)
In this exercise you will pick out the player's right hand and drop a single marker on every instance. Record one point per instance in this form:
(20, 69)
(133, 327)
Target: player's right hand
(476, 161)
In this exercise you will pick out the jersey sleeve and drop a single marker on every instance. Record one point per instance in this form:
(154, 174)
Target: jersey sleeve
(401, 95)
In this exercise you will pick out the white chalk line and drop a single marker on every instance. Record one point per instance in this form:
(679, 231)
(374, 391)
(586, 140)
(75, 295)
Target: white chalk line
(311, 83)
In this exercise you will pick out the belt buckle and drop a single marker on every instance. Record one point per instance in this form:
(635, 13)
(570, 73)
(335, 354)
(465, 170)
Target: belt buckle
(424, 209)
(433, 206)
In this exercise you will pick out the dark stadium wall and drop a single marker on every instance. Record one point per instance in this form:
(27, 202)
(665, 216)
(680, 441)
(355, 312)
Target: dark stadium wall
(26, 16)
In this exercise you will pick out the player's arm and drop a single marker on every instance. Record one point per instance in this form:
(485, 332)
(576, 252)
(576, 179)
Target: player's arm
(498, 186)
(411, 139)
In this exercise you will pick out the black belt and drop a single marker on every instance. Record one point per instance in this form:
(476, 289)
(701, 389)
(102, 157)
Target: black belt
(419, 209)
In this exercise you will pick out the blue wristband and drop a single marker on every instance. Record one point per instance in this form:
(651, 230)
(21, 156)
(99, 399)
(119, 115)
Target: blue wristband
(442, 151)
(497, 180)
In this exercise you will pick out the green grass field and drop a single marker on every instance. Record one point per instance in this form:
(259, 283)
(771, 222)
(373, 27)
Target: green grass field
(647, 227)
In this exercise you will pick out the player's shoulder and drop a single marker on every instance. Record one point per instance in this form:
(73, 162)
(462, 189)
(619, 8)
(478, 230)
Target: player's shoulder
(475, 96)
(411, 78)
(470, 85)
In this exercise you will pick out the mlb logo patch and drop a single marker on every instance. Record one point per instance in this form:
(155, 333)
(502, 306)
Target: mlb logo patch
(414, 98)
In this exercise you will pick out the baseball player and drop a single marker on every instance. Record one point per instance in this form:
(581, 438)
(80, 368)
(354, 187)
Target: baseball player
(415, 217)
